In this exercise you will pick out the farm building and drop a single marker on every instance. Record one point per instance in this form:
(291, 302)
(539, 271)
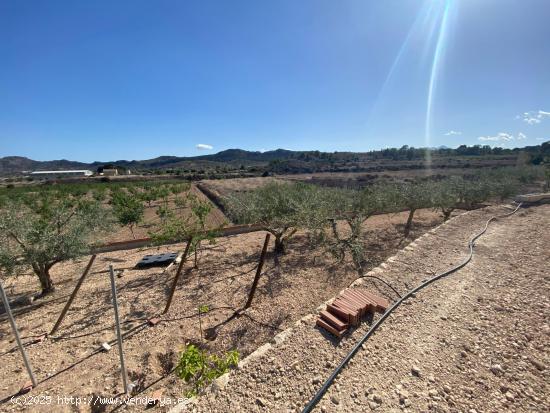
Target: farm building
(110, 172)
(55, 174)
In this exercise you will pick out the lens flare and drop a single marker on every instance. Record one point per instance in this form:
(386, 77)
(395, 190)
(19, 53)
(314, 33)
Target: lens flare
(423, 18)
(436, 64)
(420, 21)
(423, 47)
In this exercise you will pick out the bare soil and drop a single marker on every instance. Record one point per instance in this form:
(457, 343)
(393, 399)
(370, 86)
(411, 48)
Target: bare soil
(225, 187)
(70, 362)
(475, 341)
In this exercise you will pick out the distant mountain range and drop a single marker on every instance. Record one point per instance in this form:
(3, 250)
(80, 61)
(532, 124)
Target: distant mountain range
(236, 158)
(18, 164)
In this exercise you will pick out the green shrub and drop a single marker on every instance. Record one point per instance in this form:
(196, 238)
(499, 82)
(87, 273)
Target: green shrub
(199, 368)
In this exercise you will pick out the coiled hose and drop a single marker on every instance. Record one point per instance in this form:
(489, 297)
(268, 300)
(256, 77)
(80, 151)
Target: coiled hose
(313, 402)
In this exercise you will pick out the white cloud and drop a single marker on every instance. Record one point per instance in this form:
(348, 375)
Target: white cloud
(534, 117)
(539, 139)
(453, 132)
(503, 137)
(204, 147)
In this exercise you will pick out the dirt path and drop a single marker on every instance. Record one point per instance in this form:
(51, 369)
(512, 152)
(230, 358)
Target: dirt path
(476, 341)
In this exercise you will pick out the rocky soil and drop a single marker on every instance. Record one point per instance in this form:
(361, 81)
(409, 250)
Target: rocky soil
(71, 364)
(476, 341)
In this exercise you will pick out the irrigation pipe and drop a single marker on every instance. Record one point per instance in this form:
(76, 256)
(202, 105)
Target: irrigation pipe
(313, 402)
(376, 278)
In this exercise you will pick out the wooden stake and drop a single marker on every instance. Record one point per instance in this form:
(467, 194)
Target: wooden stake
(73, 295)
(258, 273)
(177, 277)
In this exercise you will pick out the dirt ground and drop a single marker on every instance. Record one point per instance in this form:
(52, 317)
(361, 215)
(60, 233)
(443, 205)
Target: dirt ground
(475, 341)
(225, 187)
(70, 362)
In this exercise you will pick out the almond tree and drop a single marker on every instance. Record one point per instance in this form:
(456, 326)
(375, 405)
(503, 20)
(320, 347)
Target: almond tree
(128, 209)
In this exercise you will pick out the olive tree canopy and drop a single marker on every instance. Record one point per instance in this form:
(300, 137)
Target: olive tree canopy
(43, 230)
(281, 208)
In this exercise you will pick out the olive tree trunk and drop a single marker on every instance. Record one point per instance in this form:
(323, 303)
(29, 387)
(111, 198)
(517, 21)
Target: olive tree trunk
(43, 273)
(279, 244)
(446, 213)
(408, 225)
(281, 238)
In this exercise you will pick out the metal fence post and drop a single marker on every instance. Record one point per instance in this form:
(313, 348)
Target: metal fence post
(16, 334)
(119, 335)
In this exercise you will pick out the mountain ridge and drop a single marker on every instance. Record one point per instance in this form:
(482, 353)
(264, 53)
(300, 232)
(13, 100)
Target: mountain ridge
(238, 157)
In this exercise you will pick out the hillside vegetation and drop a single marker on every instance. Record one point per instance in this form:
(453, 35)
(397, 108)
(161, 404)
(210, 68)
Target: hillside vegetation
(238, 162)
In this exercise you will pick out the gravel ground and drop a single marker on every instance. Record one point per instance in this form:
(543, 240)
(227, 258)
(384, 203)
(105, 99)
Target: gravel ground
(69, 363)
(476, 341)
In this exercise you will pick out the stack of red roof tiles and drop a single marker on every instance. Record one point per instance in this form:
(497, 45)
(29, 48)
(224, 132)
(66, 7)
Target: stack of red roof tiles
(348, 309)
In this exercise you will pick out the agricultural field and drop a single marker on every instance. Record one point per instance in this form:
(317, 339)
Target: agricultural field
(322, 238)
(291, 286)
(151, 219)
(274, 207)
(156, 197)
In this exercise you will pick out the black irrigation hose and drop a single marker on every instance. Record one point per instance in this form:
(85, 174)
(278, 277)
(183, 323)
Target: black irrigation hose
(379, 279)
(313, 402)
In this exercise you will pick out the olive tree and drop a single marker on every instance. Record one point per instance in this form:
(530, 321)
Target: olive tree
(413, 196)
(445, 196)
(354, 208)
(45, 230)
(472, 190)
(278, 207)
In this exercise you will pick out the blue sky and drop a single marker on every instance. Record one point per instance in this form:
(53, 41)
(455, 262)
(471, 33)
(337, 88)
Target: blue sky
(104, 80)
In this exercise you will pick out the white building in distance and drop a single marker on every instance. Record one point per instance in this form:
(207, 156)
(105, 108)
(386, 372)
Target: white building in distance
(61, 174)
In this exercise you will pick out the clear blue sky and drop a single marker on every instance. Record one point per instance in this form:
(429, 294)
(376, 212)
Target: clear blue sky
(107, 80)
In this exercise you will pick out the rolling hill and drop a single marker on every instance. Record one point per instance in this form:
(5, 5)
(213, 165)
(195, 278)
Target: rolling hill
(235, 158)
